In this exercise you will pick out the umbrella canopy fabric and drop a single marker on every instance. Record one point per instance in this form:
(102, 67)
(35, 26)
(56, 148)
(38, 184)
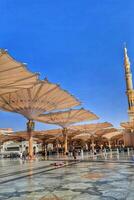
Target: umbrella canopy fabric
(128, 125)
(41, 135)
(105, 131)
(10, 137)
(42, 97)
(13, 74)
(112, 135)
(51, 132)
(98, 133)
(91, 128)
(66, 118)
(82, 136)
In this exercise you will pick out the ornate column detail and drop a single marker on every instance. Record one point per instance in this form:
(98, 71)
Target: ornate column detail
(30, 128)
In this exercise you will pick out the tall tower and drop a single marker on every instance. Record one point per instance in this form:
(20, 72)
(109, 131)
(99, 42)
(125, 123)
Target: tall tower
(129, 86)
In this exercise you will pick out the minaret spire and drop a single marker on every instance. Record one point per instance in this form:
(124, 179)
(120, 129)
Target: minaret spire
(128, 74)
(129, 85)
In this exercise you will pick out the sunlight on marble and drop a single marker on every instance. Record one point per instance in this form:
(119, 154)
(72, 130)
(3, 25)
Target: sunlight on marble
(80, 181)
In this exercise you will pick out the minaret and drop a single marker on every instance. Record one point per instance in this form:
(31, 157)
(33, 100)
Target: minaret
(128, 74)
(129, 86)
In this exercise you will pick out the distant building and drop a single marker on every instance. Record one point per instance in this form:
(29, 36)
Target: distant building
(16, 146)
(6, 130)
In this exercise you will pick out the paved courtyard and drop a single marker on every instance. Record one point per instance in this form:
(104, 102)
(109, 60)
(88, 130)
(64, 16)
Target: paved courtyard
(80, 180)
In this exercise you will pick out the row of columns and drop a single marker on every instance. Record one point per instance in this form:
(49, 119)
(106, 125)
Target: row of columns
(30, 128)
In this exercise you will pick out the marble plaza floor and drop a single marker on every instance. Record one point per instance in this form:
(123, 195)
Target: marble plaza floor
(80, 180)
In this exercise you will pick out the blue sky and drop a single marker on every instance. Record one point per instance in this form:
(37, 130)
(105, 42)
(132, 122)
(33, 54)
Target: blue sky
(77, 43)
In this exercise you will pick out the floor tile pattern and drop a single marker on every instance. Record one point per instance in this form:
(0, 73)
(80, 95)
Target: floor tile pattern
(80, 181)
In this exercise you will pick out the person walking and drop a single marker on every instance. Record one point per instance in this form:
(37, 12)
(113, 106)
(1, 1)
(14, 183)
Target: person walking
(24, 155)
(74, 154)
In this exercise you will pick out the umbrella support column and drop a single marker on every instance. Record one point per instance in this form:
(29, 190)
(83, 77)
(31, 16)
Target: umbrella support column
(65, 141)
(93, 145)
(66, 147)
(30, 128)
(30, 146)
(57, 147)
(109, 144)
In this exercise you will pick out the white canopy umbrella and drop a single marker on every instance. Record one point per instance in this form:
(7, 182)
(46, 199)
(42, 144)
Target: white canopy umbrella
(31, 102)
(13, 74)
(65, 119)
